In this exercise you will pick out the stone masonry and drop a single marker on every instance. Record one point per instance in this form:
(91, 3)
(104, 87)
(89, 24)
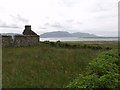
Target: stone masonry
(7, 41)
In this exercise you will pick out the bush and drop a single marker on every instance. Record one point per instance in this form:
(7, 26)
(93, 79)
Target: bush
(83, 46)
(98, 47)
(46, 42)
(94, 81)
(59, 44)
(108, 48)
(52, 43)
(102, 72)
(66, 45)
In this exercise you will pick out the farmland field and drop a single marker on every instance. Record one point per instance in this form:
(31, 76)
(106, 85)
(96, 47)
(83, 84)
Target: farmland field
(45, 66)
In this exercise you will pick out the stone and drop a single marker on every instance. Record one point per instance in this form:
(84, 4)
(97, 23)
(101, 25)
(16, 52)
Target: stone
(28, 30)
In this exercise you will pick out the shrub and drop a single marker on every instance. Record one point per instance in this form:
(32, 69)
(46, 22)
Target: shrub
(102, 72)
(94, 81)
(90, 46)
(46, 42)
(83, 46)
(59, 44)
(73, 46)
(108, 48)
(66, 45)
(52, 43)
(98, 47)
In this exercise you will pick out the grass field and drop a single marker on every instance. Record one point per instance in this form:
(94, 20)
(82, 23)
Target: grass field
(45, 66)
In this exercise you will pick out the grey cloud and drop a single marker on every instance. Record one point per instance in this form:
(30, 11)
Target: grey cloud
(43, 28)
(107, 17)
(9, 26)
(69, 3)
(61, 27)
(47, 17)
(99, 7)
(71, 20)
(2, 22)
(46, 24)
(19, 18)
(57, 25)
(5, 25)
(79, 23)
(104, 6)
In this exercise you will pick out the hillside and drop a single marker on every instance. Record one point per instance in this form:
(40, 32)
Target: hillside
(79, 34)
(65, 34)
(56, 34)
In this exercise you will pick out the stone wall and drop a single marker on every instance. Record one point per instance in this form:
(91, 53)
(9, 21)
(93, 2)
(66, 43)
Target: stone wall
(0, 41)
(20, 40)
(26, 40)
(7, 41)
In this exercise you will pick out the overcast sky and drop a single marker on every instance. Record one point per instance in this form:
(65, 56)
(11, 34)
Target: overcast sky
(98, 17)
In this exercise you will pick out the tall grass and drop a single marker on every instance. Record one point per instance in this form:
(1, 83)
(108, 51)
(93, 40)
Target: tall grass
(43, 66)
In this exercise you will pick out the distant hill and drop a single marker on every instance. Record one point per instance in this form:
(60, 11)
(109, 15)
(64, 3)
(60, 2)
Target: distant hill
(56, 34)
(66, 34)
(79, 34)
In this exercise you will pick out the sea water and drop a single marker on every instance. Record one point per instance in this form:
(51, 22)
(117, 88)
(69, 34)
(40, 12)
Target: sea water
(79, 39)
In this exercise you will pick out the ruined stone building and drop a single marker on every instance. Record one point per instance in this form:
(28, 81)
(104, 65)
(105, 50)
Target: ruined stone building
(29, 38)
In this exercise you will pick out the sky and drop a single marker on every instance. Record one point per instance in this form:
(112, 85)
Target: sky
(99, 17)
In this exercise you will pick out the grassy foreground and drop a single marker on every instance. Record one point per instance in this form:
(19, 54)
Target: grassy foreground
(43, 66)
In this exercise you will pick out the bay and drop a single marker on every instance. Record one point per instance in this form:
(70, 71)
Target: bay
(80, 39)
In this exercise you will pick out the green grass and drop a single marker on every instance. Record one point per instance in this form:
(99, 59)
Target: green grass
(113, 44)
(43, 66)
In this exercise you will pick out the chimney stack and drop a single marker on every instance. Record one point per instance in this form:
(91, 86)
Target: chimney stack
(27, 27)
(28, 31)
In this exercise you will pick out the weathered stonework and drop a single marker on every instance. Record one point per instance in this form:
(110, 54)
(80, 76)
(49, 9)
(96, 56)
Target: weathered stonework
(26, 40)
(7, 41)
(0, 41)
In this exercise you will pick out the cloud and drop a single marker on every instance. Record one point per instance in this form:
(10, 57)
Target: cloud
(46, 24)
(60, 26)
(9, 26)
(68, 3)
(42, 28)
(79, 23)
(57, 25)
(71, 20)
(19, 18)
(15, 22)
(3, 24)
(47, 17)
